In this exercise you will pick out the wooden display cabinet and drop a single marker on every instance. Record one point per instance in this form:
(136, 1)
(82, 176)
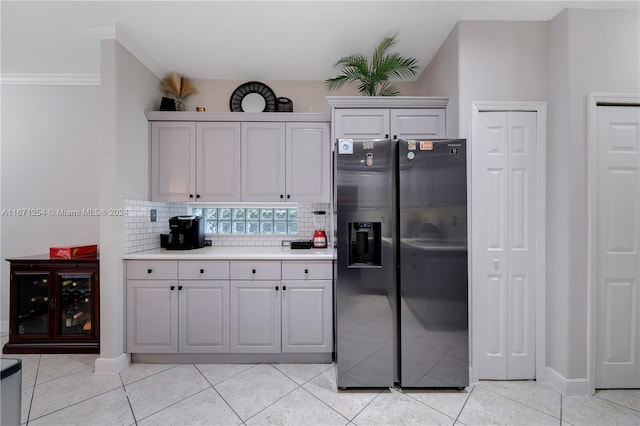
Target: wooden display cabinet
(54, 305)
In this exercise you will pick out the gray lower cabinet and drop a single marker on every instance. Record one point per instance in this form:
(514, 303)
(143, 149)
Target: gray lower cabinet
(288, 310)
(242, 307)
(255, 306)
(307, 306)
(178, 315)
(255, 316)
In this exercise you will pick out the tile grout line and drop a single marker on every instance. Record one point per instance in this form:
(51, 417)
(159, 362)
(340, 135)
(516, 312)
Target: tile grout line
(528, 406)
(172, 366)
(219, 394)
(33, 393)
(323, 402)
(177, 402)
(316, 397)
(288, 393)
(365, 407)
(473, 388)
(124, 388)
(433, 408)
(615, 403)
(70, 405)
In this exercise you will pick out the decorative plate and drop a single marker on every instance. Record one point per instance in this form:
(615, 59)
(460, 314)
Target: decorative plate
(253, 97)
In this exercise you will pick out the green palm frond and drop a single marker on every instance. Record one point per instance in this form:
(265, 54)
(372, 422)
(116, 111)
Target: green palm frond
(374, 76)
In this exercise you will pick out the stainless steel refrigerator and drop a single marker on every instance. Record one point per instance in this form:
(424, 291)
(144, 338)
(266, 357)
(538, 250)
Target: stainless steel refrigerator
(401, 289)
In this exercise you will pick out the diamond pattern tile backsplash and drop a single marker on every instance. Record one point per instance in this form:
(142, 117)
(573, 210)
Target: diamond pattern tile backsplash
(142, 234)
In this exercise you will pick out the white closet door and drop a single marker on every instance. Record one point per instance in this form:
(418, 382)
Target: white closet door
(617, 241)
(504, 206)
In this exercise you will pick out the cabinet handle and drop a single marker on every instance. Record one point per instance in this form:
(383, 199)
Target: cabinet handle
(179, 287)
(284, 287)
(253, 271)
(277, 288)
(281, 196)
(395, 137)
(190, 195)
(288, 195)
(197, 195)
(202, 271)
(149, 271)
(386, 136)
(173, 287)
(306, 271)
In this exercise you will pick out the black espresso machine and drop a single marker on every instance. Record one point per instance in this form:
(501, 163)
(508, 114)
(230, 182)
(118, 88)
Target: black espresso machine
(185, 233)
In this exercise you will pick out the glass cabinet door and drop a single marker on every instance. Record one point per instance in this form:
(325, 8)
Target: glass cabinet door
(33, 302)
(75, 303)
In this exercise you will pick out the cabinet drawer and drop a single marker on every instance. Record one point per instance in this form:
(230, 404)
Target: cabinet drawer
(152, 270)
(310, 270)
(203, 270)
(255, 270)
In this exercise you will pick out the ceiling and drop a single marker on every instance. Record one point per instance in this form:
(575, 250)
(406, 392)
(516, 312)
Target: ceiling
(242, 40)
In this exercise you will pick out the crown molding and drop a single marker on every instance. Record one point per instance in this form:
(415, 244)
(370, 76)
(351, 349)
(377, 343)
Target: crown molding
(113, 31)
(50, 79)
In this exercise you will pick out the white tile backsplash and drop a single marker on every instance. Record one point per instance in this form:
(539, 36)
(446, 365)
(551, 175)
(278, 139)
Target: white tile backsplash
(142, 234)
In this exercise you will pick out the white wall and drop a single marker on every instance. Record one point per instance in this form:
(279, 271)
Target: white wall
(307, 96)
(500, 61)
(441, 78)
(49, 161)
(590, 51)
(128, 89)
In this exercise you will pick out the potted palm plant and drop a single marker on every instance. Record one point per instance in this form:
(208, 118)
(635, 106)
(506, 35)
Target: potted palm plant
(373, 76)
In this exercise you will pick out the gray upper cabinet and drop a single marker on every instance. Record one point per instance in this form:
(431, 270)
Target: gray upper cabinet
(232, 160)
(286, 162)
(362, 123)
(387, 117)
(263, 161)
(373, 123)
(195, 161)
(417, 123)
(218, 161)
(173, 161)
(308, 162)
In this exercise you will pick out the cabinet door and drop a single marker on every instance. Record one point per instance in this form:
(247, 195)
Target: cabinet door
(203, 314)
(263, 162)
(152, 316)
(76, 304)
(418, 123)
(363, 123)
(218, 162)
(173, 161)
(255, 316)
(308, 160)
(31, 305)
(307, 316)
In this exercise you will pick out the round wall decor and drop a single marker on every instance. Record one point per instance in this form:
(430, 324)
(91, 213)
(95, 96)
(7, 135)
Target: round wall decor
(253, 96)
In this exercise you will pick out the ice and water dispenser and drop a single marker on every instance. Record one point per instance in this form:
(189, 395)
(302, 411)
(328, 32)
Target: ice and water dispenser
(365, 244)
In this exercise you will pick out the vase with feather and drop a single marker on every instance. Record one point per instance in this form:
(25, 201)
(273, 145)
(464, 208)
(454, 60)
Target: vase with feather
(180, 87)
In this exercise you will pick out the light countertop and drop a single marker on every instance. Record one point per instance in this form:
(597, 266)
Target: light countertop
(233, 253)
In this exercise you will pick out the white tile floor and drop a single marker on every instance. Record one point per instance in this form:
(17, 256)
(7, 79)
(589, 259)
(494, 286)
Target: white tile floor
(63, 390)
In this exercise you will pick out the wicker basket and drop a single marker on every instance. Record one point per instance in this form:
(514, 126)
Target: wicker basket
(284, 105)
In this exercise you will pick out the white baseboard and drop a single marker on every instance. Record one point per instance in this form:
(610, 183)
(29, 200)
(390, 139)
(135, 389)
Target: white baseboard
(111, 365)
(4, 326)
(472, 378)
(567, 387)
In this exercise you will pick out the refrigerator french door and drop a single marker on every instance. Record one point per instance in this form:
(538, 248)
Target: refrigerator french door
(401, 271)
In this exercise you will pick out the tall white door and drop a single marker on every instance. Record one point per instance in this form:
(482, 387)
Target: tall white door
(617, 241)
(504, 224)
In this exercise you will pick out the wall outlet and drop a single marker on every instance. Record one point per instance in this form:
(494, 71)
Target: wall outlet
(153, 215)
